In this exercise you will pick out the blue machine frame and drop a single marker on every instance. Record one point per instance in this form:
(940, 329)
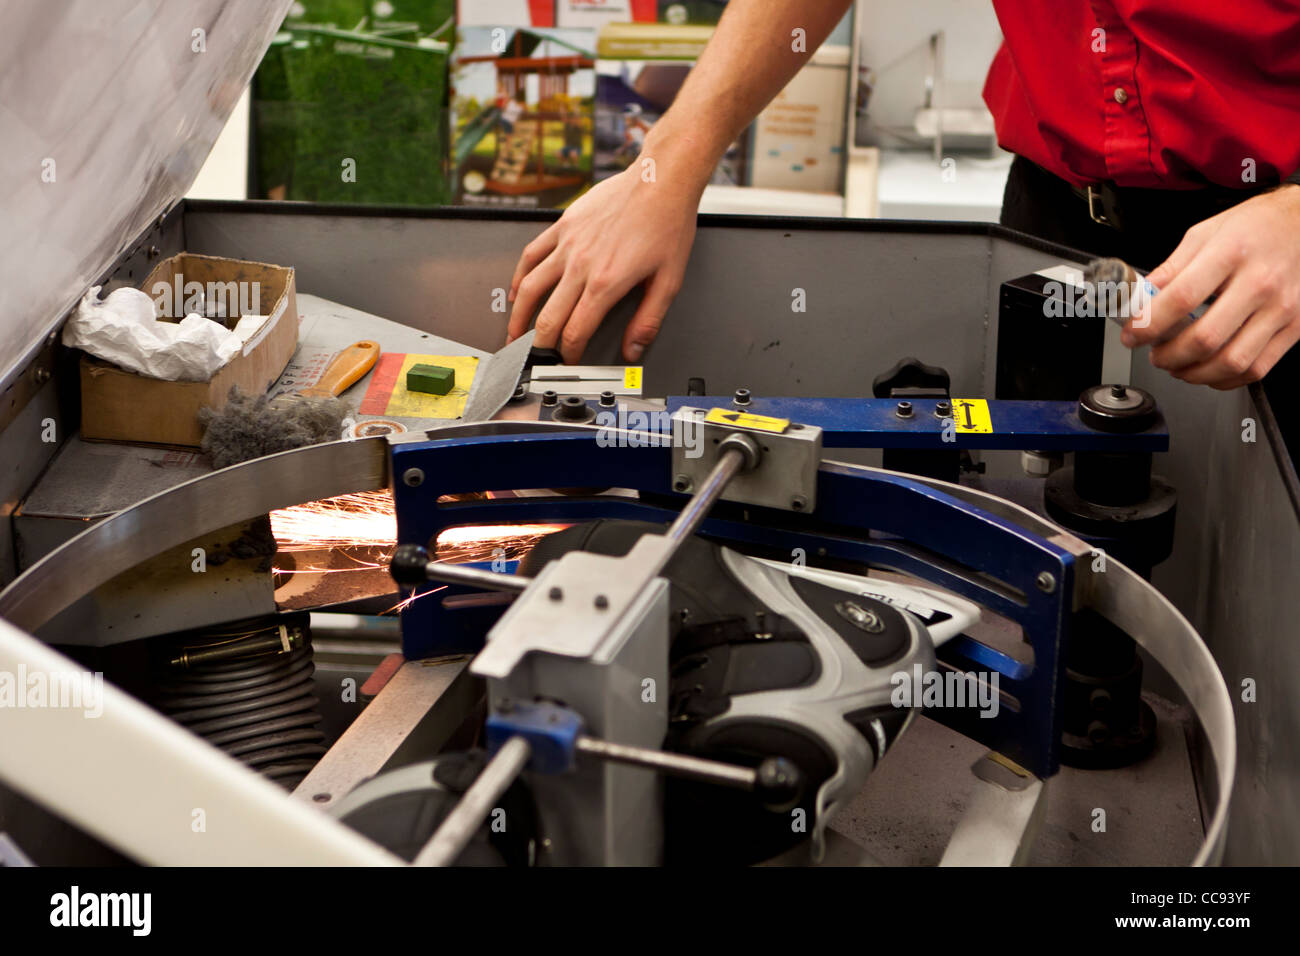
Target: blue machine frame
(874, 518)
(863, 517)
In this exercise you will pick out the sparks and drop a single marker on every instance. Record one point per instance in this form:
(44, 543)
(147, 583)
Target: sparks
(367, 520)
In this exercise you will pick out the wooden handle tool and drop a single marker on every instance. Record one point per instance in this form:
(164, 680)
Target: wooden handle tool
(346, 368)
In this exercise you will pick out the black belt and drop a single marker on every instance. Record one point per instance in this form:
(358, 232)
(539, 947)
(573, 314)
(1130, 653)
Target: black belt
(1103, 203)
(1109, 204)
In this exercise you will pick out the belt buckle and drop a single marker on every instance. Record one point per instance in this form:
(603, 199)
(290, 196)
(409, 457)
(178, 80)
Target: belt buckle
(1094, 198)
(1101, 206)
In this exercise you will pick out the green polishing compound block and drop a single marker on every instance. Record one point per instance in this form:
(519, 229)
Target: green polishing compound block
(434, 379)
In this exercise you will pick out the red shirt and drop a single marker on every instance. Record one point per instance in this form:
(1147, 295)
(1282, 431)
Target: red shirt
(1159, 93)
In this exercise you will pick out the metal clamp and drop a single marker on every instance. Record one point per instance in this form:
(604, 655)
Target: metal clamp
(784, 474)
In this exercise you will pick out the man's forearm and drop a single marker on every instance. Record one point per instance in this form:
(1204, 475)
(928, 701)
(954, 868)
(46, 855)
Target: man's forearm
(756, 49)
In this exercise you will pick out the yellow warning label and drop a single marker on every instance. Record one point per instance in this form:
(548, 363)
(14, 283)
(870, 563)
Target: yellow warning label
(760, 423)
(972, 415)
(632, 376)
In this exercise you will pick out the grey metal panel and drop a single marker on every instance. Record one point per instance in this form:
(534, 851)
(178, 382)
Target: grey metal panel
(23, 456)
(873, 295)
(107, 110)
(1234, 572)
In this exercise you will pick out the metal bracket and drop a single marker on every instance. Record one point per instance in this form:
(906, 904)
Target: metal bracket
(785, 475)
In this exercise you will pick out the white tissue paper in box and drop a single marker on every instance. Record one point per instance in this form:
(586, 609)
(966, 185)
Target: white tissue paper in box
(124, 329)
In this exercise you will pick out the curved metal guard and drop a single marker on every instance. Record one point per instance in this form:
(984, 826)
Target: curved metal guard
(975, 544)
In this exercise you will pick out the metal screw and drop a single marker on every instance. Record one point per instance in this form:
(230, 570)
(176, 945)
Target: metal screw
(943, 409)
(1118, 391)
(682, 483)
(153, 252)
(413, 477)
(602, 602)
(742, 396)
(904, 410)
(41, 375)
(1046, 582)
(798, 502)
(555, 594)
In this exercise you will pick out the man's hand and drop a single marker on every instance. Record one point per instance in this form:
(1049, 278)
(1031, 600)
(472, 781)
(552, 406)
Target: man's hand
(638, 227)
(1250, 256)
(629, 229)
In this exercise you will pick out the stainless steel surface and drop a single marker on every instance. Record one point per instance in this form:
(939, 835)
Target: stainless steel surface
(165, 593)
(1002, 820)
(1129, 602)
(25, 455)
(785, 476)
(675, 765)
(733, 322)
(460, 825)
(1233, 572)
(380, 731)
(108, 109)
(199, 506)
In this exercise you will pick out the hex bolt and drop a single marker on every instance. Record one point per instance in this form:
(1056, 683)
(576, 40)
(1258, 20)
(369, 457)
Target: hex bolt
(413, 477)
(602, 602)
(682, 483)
(607, 399)
(943, 409)
(550, 397)
(1046, 582)
(904, 410)
(742, 396)
(555, 594)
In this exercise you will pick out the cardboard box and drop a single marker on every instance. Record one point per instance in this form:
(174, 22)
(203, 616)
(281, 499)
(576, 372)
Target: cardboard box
(117, 405)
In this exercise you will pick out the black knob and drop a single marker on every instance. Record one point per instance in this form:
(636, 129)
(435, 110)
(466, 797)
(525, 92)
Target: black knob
(573, 408)
(779, 784)
(407, 566)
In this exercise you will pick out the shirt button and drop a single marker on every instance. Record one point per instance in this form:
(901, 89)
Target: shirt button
(1121, 95)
